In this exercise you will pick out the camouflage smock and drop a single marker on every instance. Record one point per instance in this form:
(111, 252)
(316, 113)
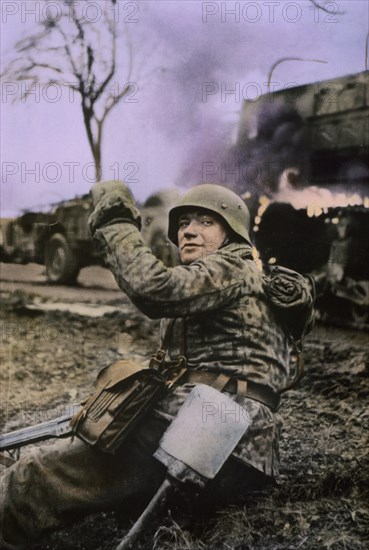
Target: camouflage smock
(229, 326)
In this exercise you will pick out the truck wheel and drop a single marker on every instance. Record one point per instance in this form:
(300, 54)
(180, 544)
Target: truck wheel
(60, 260)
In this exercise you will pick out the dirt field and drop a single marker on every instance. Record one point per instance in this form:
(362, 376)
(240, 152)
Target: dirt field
(50, 359)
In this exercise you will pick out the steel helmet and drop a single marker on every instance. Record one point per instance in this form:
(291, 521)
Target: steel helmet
(229, 206)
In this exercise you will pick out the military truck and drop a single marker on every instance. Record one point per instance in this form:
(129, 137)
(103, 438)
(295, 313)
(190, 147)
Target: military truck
(61, 240)
(311, 144)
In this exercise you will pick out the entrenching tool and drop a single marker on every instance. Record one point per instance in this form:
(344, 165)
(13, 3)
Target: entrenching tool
(195, 446)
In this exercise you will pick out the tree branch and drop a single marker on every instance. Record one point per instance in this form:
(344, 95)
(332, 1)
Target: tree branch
(320, 7)
(113, 100)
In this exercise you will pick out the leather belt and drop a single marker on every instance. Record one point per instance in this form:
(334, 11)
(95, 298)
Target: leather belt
(252, 390)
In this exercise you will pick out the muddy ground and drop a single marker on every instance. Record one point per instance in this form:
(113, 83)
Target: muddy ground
(320, 501)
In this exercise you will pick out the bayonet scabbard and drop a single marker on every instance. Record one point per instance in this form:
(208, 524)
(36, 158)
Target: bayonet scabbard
(57, 427)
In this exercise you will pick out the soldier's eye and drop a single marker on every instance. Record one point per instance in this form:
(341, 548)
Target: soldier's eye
(183, 223)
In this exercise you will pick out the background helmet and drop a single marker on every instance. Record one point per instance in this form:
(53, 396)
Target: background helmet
(229, 206)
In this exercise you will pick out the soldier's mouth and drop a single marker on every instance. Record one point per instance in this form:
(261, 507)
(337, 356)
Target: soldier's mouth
(191, 245)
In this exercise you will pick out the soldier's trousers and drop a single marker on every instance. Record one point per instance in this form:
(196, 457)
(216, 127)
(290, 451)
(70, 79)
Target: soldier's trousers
(56, 484)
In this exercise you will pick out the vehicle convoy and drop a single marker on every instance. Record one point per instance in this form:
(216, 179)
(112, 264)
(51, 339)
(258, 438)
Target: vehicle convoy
(312, 212)
(61, 240)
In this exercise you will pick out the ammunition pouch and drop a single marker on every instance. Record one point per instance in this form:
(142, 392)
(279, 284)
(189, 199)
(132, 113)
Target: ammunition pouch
(125, 391)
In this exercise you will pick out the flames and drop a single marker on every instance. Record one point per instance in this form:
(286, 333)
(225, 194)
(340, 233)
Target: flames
(316, 200)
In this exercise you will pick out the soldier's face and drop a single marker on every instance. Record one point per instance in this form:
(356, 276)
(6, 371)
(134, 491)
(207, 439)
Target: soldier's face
(200, 232)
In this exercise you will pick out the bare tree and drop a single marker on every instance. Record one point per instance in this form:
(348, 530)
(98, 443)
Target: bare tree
(74, 51)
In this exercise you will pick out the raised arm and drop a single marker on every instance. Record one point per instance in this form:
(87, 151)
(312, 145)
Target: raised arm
(157, 290)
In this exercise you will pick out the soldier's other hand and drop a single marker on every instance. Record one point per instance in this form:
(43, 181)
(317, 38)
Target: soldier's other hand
(113, 203)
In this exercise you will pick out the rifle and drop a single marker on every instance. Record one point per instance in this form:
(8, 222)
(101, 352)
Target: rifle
(57, 427)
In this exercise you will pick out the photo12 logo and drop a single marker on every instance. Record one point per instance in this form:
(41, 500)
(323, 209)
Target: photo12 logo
(90, 11)
(269, 12)
(242, 91)
(236, 172)
(66, 172)
(54, 92)
(224, 411)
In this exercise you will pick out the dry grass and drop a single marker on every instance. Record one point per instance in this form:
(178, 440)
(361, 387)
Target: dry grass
(321, 498)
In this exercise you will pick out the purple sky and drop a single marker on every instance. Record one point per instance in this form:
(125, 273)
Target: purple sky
(184, 44)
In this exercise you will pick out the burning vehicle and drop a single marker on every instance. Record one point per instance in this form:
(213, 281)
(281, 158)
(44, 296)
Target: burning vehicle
(310, 206)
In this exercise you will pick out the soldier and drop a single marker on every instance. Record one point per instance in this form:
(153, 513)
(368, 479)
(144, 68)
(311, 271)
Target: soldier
(224, 324)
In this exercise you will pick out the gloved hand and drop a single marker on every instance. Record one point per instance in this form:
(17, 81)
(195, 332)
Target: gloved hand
(113, 202)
